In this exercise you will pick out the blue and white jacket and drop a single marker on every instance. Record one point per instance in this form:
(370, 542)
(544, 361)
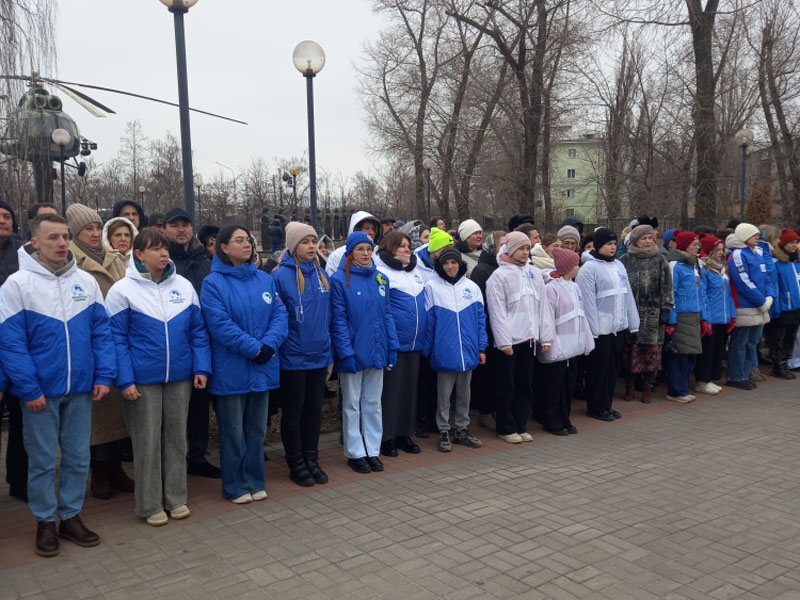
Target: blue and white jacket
(56, 338)
(424, 263)
(688, 286)
(158, 329)
(788, 275)
(750, 277)
(308, 343)
(720, 308)
(361, 317)
(407, 303)
(607, 296)
(766, 251)
(455, 331)
(243, 312)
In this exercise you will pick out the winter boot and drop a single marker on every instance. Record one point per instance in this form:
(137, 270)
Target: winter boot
(630, 387)
(298, 471)
(118, 478)
(101, 485)
(311, 458)
(647, 390)
(781, 370)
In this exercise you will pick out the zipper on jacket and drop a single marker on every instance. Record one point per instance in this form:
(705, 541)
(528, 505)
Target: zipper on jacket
(166, 330)
(458, 324)
(416, 324)
(66, 331)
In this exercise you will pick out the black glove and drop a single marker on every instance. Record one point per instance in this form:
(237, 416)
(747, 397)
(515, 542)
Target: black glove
(663, 316)
(264, 355)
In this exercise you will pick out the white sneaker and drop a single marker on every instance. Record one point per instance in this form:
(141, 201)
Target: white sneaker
(158, 519)
(525, 437)
(243, 499)
(511, 438)
(180, 513)
(715, 386)
(680, 399)
(260, 495)
(705, 387)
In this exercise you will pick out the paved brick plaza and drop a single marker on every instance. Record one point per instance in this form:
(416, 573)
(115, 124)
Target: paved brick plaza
(671, 502)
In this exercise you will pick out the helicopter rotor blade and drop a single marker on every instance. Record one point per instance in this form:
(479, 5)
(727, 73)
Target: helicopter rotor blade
(115, 91)
(90, 104)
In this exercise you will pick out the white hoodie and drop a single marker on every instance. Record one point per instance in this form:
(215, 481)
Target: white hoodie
(517, 311)
(607, 297)
(335, 257)
(573, 335)
(107, 243)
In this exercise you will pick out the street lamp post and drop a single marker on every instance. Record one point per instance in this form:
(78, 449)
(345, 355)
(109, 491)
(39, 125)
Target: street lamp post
(309, 58)
(62, 139)
(198, 183)
(744, 137)
(291, 179)
(178, 8)
(142, 190)
(427, 164)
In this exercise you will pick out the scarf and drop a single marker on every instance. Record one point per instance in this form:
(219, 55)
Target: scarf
(96, 254)
(599, 256)
(644, 253)
(506, 258)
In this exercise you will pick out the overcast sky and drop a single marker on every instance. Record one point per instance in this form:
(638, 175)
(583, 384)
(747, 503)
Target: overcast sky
(240, 65)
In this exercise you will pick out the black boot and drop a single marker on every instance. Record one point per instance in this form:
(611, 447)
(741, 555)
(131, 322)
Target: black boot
(781, 370)
(311, 458)
(298, 472)
(788, 370)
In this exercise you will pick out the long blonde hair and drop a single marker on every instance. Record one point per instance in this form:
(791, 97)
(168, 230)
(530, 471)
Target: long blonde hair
(301, 280)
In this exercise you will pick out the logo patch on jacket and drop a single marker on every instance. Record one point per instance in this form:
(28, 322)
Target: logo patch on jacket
(381, 279)
(267, 297)
(418, 279)
(468, 294)
(382, 290)
(78, 295)
(175, 297)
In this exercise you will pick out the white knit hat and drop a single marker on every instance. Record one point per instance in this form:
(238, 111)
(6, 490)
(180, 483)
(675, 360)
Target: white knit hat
(744, 231)
(467, 228)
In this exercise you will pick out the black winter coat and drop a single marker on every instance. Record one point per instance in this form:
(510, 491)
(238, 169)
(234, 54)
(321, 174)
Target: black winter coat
(194, 264)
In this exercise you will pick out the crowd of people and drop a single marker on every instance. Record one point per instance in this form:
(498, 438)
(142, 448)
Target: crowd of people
(119, 336)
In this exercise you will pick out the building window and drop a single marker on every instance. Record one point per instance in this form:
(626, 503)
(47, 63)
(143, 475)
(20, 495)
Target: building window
(570, 173)
(570, 212)
(570, 193)
(572, 153)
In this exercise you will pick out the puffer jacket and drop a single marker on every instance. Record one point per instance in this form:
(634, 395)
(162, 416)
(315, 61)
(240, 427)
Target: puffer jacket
(336, 258)
(8, 258)
(788, 275)
(720, 308)
(362, 326)
(55, 330)
(607, 296)
(767, 253)
(455, 332)
(573, 336)
(194, 264)
(688, 287)
(517, 310)
(308, 344)
(750, 284)
(243, 312)
(158, 329)
(407, 301)
(424, 263)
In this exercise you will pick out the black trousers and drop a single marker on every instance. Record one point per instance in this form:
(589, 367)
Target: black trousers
(399, 397)
(482, 385)
(602, 372)
(555, 383)
(426, 396)
(709, 363)
(514, 389)
(780, 335)
(16, 457)
(301, 409)
(197, 426)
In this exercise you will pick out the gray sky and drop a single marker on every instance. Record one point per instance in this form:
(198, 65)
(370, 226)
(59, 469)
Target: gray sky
(239, 58)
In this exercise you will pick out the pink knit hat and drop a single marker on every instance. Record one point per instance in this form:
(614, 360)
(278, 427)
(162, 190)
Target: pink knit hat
(515, 240)
(565, 260)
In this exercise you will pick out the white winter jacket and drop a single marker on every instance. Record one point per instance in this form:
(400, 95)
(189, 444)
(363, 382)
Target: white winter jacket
(573, 336)
(607, 297)
(517, 310)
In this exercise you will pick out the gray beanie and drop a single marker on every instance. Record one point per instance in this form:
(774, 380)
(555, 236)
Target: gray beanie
(569, 232)
(79, 216)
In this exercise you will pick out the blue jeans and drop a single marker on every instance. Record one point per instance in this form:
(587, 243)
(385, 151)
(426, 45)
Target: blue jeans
(743, 352)
(242, 423)
(65, 421)
(362, 420)
(679, 369)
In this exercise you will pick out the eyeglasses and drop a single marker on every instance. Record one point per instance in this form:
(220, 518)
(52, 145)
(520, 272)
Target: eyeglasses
(240, 241)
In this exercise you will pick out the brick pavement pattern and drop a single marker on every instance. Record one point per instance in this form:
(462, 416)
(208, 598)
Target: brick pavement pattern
(671, 502)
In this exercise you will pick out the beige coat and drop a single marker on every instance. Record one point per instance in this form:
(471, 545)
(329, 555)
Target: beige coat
(108, 422)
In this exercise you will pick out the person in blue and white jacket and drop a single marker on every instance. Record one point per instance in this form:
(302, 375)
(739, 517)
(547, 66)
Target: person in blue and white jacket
(782, 331)
(364, 343)
(162, 351)
(247, 324)
(305, 354)
(58, 351)
(407, 301)
(611, 309)
(455, 341)
(753, 293)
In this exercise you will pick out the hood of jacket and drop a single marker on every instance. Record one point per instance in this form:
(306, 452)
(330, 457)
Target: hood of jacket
(109, 223)
(363, 215)
(307, 268)
(28, 258)
(243, 272)
(132, 272)
(782, 256)
(540, 258)
(119, 206)
(679, 256)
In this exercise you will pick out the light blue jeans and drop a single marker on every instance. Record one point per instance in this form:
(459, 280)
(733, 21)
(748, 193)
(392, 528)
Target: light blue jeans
(743, 352)
(362, 419)
(242, 421)
(65, 421)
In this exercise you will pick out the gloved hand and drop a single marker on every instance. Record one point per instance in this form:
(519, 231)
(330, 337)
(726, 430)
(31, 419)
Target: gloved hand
(731, 325)
(663, 316)
(705, 329)
(392, 360)
(264, 355)
(767, 305)
(348, 365)
(669, 329)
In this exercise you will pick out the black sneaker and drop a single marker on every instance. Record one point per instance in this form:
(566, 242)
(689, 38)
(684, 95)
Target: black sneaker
(742, 385)
(444, 442)
(615, 413)
(375, 463)
(465, 438)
